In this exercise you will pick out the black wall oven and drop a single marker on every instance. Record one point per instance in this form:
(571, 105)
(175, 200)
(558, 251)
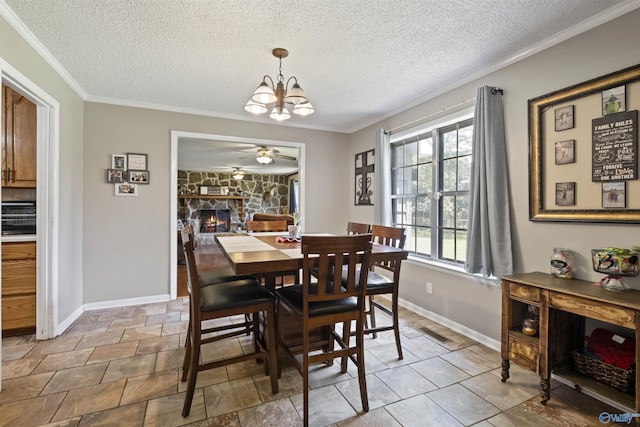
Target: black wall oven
(18, 217)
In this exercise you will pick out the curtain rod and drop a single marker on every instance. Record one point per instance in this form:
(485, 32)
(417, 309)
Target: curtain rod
(494, 91)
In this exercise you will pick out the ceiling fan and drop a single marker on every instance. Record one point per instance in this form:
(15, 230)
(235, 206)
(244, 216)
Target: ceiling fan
(266, 155)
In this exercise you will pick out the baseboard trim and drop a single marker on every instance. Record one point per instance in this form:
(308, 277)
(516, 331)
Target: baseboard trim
(467, 332)
(62, 326)
(126, 302)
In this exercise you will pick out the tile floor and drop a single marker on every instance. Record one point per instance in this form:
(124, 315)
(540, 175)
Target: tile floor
(122, 367)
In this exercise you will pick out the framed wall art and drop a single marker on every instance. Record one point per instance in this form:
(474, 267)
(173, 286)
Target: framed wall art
(119, 162)
(138, 177)
(591, 173)
(116, 175)
(126, 189)
(137, 161)
(364, 170)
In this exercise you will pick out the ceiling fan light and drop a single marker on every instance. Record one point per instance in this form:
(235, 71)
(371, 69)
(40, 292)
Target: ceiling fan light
(295, 95)
(237, 175)
(264, 159)
(264, 94)
(255, 107)
(305, 109)
(280, 114)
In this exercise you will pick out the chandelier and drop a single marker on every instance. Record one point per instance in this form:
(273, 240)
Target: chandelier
(237, 173)
(280, 94)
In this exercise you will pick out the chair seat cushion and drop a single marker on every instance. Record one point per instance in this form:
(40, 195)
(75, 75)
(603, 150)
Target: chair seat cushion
(239, 293)
(222, 275)
(375, 281)
(292, 296)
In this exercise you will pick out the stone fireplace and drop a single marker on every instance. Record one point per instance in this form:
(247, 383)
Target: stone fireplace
(215, 220)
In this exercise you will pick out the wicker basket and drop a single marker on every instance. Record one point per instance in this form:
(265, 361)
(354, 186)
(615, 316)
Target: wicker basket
(622, 379)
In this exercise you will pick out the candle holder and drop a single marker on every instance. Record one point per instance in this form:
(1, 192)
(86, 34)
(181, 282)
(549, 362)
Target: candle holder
(615, 264)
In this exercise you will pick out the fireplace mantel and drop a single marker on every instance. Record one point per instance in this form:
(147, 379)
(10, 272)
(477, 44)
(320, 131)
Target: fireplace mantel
(184, 198)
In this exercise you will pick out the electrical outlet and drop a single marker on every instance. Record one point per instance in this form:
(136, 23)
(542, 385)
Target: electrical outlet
(429, 288)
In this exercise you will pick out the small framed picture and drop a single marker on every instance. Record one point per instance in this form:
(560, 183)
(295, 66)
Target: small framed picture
(565, 193)
(126, 189)
(565, 152)
(614, 100)
(564, 118)
(137, 162)
(614, 194)
(119, 162)
(116, 175)
(138, 177)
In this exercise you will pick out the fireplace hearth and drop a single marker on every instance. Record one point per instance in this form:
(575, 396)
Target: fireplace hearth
(215, 220)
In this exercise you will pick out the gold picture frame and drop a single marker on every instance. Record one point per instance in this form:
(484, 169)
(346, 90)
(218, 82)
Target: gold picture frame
(586, 102)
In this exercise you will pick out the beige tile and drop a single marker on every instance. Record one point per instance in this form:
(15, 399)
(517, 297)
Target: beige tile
(129, 367)
(90, 399)
(423, 347)
(503, 395)
(388, 354)
(150, 309)
(117, 313)
(220, 350)
(326, 406)
(14, 352)
(230, 396)
(58, 345)
(379, 417)
(79, 329)
(245, 369)
(23, 387)
(289, 383)
(131, 415)
(379, 394)
(174, 328)
(205, 378)
(170, 359)
(466, 406)
(470, 362)
(19, 367)
(321, 375)
(405, 382)
(72, 378)
(167, 411)
(275, 413)
(98, 339)
(440, 372)
(225, 420)
(156, 344)
(30, 412)
(420, 411)
(72, 422)
(158, 319)
(69, 359)
(105, 353)
(150, 386)
(131, 322)
(141, 332)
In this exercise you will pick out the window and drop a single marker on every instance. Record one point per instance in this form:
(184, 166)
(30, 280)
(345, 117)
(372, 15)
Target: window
(431, 174)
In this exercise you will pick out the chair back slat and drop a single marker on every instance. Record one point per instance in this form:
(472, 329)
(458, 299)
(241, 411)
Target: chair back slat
(389, 236)
(193, 279)
(327, 255)
(358, 228)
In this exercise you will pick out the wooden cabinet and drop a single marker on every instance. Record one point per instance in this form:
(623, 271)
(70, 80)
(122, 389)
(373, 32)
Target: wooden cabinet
(18, 287)
(564, 305)
(19, 140)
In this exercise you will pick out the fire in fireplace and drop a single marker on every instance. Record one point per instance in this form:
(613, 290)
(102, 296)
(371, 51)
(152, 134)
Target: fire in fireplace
(215, 220)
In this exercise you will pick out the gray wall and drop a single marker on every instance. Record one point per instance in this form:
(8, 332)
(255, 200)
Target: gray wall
(126, 239)
(461, 298)
(17, 52)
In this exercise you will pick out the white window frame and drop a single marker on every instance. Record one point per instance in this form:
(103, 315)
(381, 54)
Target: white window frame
(442, 122)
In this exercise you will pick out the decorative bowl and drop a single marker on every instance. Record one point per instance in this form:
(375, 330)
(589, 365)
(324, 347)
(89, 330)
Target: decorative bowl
(615, 263)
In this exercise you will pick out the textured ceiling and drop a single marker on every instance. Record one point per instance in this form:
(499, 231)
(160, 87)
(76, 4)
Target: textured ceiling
(357, 60)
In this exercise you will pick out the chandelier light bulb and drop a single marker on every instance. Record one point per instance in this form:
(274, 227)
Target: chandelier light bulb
(305, 109)
(255, 107)
(280, 114)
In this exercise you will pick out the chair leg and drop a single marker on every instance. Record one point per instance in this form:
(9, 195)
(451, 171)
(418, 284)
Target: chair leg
(372, 315)
(272, 348)
(193, 375)
(362, 380)
(305, 378)
(346, 337)
(396, 326)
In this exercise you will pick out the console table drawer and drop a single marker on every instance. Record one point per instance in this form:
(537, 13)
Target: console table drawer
(524, 354)
(593, 309)
(524, 292)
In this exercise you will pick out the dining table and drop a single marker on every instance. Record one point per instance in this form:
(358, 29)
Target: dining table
(270, 253)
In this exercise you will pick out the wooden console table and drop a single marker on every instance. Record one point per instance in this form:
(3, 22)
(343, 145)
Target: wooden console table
(564, 305)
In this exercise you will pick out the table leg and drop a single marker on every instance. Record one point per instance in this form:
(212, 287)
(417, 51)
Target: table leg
(545, 393)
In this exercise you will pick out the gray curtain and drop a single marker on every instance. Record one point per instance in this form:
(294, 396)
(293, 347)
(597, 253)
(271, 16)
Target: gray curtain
(382, 179)
(489, 234)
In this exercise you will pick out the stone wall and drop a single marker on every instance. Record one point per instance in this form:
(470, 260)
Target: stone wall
(266, 194)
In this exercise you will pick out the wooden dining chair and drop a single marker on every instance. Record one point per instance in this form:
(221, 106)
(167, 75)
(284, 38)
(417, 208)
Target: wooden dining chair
(358, 228)
(266, 225)
(224, 300)
(324, 303)
(378, 284)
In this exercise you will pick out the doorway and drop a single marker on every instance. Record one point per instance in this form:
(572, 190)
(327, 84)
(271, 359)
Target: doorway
(180, 137)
